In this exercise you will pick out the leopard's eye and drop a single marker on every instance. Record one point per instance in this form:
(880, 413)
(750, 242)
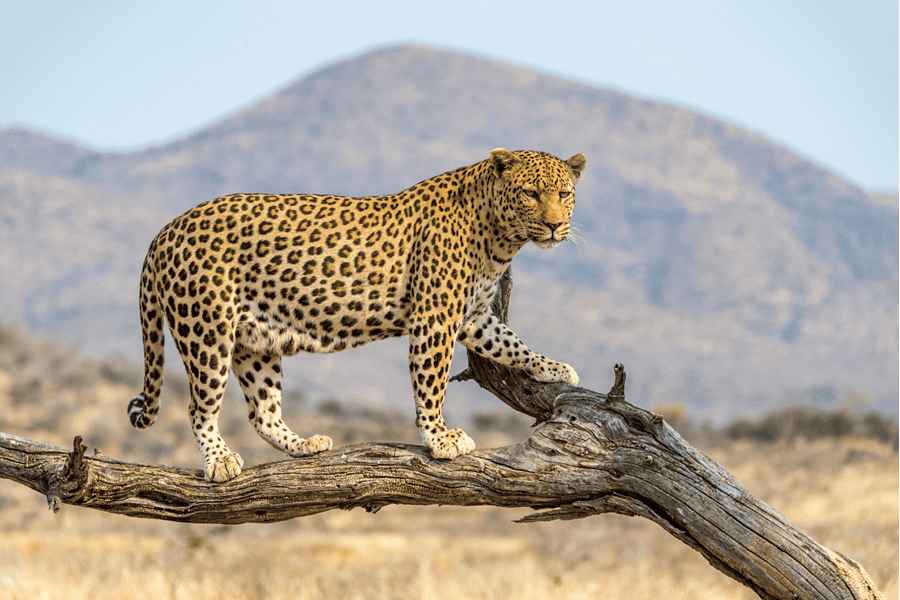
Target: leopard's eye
(530, 194)
(565, 195)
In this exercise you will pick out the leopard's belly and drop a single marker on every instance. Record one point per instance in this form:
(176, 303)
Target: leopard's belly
(291, 330)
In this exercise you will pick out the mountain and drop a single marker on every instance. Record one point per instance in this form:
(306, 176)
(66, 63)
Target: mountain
(728, 273)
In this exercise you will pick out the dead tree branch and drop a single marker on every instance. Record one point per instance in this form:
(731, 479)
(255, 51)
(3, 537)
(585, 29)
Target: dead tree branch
(590, 454)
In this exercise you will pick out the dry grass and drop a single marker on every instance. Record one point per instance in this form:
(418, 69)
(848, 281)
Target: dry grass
(843, 493)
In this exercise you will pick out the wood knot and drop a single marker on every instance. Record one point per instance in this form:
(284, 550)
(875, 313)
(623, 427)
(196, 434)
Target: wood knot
(465, 375)
(617, 391)
(69, 485)
(75, 465)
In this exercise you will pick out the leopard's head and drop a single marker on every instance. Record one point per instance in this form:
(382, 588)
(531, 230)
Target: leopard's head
(535, 195)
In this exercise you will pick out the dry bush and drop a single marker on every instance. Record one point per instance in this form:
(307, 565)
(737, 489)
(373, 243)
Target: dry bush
(813, 424)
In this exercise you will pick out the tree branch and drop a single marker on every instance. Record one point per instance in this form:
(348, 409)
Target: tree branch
(590, 454)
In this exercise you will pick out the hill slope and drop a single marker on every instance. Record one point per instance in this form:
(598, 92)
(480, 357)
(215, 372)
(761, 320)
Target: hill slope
(728, 273)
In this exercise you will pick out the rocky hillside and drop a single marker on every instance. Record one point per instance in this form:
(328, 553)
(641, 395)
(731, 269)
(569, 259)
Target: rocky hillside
(729, 274)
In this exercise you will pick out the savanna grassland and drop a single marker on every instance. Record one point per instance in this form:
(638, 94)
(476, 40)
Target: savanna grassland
(842, 490)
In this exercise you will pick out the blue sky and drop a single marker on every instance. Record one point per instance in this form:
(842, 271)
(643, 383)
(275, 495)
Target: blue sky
(819, 77)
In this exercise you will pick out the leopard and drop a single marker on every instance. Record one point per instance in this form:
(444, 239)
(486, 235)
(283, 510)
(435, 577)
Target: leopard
(246, 279)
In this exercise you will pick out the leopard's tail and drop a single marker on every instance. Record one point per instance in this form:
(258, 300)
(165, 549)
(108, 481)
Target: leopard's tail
(143, 408)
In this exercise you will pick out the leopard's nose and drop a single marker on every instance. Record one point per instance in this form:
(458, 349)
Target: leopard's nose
(552, 227)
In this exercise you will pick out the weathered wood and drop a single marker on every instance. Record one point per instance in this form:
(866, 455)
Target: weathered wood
(590, 454)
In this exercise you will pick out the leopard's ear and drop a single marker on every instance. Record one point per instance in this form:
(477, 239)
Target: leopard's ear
(576, 166)
(503, 160)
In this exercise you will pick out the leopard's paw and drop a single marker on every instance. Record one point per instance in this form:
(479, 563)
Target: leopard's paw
(553, 372)
(224, 467)
(312, 445)
(568, 374)
(449, 444)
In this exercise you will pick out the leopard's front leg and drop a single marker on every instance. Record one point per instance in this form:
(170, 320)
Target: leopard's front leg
(430, 351)
(485, 335)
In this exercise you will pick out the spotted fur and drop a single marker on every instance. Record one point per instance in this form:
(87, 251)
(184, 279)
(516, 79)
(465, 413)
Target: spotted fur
(243, 280)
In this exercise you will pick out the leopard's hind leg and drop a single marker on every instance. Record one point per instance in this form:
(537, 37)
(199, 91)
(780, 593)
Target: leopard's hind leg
(260, 377)
(208, 374)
